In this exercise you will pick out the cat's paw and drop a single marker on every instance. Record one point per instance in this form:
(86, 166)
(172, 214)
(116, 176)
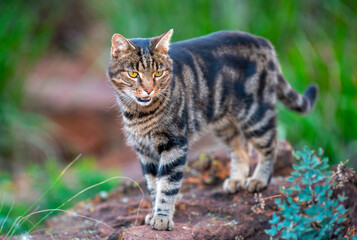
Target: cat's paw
(162, 223)
(255, 185)
(233, 185)
(148, 218)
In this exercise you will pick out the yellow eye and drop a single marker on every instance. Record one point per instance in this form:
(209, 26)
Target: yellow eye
(158, 74)
(133, 74)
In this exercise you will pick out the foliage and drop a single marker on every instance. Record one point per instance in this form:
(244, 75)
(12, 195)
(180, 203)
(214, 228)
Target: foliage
(307, 211)
(315, 42)
(39, 179)
(25, 33)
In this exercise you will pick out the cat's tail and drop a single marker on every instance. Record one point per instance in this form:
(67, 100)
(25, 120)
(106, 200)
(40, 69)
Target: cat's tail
(293, 100)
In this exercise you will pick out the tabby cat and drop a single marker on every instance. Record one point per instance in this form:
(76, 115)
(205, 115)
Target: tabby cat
(169, 93)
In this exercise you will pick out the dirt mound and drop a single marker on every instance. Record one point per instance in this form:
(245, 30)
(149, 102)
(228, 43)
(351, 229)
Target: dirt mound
(204, 211)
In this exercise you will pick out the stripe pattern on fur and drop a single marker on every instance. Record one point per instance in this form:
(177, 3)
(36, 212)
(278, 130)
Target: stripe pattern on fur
(227, 81)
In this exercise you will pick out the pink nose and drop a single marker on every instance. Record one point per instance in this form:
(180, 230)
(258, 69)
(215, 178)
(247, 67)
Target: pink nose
(148, 90)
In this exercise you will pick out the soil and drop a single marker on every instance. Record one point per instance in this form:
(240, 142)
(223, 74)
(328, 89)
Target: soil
(203, 212)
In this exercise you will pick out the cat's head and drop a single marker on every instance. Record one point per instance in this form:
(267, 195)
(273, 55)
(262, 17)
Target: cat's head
(140, 69)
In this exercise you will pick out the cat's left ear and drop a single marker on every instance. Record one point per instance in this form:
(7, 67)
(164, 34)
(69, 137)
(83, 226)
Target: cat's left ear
(161, 43)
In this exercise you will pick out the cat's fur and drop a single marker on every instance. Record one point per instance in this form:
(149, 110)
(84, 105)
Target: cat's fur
(226, 81)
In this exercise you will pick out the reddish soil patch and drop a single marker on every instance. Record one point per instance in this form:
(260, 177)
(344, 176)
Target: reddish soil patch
(204, 211)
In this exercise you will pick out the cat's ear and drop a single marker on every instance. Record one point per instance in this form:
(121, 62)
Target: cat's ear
(121, 44)
(161, 43)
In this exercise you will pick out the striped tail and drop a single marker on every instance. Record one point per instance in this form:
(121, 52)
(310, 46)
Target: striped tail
(295, 101)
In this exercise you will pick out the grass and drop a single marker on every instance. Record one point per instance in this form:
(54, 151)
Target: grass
(51, 191)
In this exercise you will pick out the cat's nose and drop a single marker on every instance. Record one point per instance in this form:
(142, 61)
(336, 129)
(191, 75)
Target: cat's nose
(148, 90)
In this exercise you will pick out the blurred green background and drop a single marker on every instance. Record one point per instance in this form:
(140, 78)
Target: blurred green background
(316, 42)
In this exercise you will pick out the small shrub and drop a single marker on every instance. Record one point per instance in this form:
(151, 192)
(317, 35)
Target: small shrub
(307, 211)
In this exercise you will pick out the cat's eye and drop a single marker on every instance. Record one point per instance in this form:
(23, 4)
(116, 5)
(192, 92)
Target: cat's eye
(158, 74)
(133, 74)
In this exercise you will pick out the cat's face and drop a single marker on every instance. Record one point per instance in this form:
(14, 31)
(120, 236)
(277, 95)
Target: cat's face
(140, 69)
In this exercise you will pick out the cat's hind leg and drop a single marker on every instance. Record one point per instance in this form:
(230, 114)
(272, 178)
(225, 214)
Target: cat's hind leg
(239, 171)
(239, 168)
(265, 142)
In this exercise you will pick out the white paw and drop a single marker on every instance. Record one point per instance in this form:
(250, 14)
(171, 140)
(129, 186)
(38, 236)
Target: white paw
(233, 185)
(148, 218)
(255, 185)
(162, 223)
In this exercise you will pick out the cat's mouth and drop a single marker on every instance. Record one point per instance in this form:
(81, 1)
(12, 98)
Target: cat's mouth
(144, 99)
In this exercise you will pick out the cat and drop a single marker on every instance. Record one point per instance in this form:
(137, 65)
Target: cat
(227, 81)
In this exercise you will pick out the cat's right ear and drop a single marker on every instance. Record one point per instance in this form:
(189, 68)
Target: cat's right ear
(121, 44)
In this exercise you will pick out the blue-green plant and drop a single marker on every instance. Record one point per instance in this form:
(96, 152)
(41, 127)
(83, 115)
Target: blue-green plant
(307, 210)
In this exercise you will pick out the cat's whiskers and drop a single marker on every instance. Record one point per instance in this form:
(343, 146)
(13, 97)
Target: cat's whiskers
(111, 107)
(164, 91)
(164, 97)
(126, 101)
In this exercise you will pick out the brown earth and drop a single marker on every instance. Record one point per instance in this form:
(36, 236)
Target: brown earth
(204, 211)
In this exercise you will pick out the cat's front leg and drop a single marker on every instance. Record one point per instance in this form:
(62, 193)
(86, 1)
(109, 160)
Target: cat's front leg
(170, 172)
(149, 167)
